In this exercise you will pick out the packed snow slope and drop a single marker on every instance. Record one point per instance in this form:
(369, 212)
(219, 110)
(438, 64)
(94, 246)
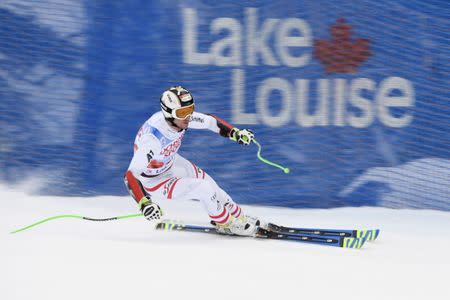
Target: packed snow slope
(127, 259)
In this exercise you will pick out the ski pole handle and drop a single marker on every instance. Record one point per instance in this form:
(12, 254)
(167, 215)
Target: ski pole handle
(266, 161)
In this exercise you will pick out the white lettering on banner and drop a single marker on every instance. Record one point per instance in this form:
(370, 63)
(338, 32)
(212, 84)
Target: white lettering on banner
(295, 102)
(190, 54)
(257, 41)
(320, 118)
(285, 41)
(385, 101)
(237, 100)
(262, 106)
(233, 42)
(364, 105)
(339, 96)
(338, 102)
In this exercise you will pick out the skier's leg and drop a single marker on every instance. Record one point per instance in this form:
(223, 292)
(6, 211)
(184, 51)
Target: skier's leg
(208, 194)
(186, 168)
(184, 182)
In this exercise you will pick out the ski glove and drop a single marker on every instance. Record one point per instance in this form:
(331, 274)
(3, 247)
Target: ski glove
(150, 210)
(243, 137)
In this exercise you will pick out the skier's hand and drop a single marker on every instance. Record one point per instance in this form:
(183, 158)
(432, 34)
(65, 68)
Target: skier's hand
(150, 210)
(242, 136)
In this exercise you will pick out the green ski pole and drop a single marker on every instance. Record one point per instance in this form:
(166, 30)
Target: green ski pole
(74, 217)
(266, 161)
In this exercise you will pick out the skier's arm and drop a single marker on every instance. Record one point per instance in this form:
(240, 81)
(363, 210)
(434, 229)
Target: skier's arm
(216, 124)
(144, 162)
(141, 164)
(149, 209)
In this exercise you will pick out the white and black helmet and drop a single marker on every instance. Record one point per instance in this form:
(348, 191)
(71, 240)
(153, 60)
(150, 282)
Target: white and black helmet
(177, 103)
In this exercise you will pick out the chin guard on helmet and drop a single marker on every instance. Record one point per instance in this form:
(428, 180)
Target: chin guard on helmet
(177, 103)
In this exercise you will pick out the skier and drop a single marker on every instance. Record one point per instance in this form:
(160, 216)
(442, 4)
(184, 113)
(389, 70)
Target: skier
(157, 172)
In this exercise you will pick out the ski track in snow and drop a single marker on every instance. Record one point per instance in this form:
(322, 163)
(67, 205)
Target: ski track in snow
(128, 259)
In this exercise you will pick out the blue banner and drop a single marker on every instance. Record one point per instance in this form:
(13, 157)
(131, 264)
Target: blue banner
(352, 97)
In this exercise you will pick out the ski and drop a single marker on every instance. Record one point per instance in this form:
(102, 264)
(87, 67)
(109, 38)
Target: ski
(170, 225)
(336, 241)
(368, 235)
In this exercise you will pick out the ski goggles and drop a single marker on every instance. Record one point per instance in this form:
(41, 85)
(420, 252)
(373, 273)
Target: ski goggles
(183, 112)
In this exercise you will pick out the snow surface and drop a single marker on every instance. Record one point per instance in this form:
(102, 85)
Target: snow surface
(128, 259)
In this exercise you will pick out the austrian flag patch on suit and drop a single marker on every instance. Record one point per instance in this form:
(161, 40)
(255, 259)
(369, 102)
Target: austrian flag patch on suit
(185, 97)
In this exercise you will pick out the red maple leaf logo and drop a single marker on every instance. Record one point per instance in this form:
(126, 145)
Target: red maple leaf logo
(341, 54)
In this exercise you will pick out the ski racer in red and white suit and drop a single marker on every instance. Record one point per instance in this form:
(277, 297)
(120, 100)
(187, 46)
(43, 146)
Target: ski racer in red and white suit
(157, 172)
